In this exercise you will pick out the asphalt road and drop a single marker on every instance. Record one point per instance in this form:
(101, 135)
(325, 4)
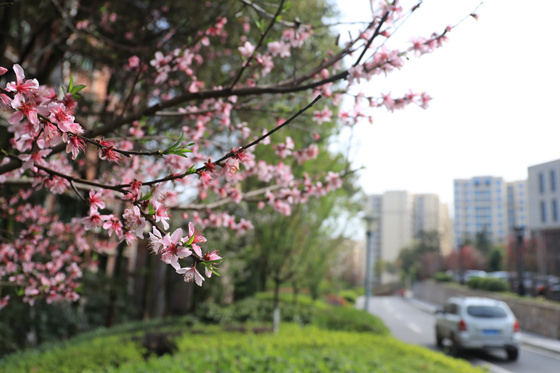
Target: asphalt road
(415, 326)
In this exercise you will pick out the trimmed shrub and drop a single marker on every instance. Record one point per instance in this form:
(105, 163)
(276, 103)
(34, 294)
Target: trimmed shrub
(349, 319)
(474, 282)
(488, 284)
(494, 284)
(442, 277)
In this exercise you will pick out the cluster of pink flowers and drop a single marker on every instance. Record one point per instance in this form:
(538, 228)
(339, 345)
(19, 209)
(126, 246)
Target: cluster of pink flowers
(174, 247)
(45, 258)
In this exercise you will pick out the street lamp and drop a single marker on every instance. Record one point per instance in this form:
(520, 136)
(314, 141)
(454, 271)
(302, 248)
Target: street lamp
(371, 222)
(518, 242)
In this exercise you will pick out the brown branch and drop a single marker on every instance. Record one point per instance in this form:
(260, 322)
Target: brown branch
(225, 201)
(81, 181)
(263, 13)
(375, 34)
(259, 44)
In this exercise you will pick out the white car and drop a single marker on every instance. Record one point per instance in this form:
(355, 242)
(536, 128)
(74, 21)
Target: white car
(477, 323)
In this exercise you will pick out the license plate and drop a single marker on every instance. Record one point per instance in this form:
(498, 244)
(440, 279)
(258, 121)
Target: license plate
(490, 332)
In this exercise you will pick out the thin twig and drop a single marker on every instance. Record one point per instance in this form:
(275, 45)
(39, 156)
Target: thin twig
(259, 44)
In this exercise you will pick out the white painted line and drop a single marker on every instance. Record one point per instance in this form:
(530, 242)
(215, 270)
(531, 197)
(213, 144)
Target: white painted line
(415, 328)
(398, 316)
(542, 352)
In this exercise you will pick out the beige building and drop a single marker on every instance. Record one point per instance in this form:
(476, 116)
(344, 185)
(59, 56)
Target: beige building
(401, 217)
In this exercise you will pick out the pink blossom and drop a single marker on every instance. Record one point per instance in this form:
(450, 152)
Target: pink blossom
(37, 158)
(133, 62)
(191, 274)
(196, 238)
(247, 49)
(424, 100)
(322, 116)
(156, 240)
(94, 220)
(75, 145)
(205, 177)
(60, 116)
(161, 214)
(135, 221)
(172, 249)
(5, 101)
(278, 48)
(114, 225)
(22, 86)
(24, 109)
(95, 201)
(107, 151)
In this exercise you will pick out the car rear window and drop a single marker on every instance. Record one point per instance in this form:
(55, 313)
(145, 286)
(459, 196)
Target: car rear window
(486, 311)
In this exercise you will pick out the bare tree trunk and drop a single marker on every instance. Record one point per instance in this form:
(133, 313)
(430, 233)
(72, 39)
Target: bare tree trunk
(276, 304)
(117, 278)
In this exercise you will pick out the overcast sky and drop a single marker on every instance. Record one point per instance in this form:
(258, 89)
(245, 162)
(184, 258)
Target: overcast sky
(496, 97)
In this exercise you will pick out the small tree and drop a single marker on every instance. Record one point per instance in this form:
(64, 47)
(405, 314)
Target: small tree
(161, 127)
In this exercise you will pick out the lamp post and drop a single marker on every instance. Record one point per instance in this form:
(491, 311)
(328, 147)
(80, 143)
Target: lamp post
(370, 227)
(518, 242)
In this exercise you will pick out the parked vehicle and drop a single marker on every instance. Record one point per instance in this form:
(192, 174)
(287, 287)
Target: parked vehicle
(477, 323)
(473, 273)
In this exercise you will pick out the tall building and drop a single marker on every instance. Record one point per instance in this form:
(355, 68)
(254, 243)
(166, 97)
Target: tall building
(544, 220)
(446, 230)
(517, 205)
(425, 213)
(401, 217)
(480, 205)
(544, 196)
(396, 229)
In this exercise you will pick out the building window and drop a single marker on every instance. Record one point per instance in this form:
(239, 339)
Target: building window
(541, 182)
(552, 181)
(543, 212)
(554, 210)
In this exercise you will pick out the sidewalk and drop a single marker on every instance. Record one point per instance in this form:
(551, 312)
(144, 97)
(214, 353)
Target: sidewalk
(529, 339)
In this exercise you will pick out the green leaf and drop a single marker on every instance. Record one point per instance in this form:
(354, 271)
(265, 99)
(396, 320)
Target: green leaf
(190, 241)
(190, 171)
(151, 210)
(148, 195)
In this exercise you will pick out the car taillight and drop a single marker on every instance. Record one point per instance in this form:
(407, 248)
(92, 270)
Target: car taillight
(462, 326)
(516, 326)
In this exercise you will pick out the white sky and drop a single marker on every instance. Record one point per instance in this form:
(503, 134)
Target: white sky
(496, 94)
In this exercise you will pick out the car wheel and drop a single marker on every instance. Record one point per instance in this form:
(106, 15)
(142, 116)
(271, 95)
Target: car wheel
(439, 339)
(512, 353)
(451, 348)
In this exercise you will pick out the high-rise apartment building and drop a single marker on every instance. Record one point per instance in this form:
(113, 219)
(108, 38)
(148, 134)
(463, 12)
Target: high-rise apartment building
(480, 205)
(396, 230)
(544, 215)
(425, 213)
(544, 196)
(517, 205)
(401, 217)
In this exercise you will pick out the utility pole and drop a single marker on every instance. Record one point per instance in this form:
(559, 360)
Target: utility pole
(370, 228)
(519, 255)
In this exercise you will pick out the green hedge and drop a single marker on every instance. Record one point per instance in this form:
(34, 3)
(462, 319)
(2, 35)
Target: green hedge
(297, 349)
(442, 277)
(488, 284)
(349, 319)
(294, 349)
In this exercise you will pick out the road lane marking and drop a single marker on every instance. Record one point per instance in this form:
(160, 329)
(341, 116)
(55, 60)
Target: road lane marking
(542, 352)
(398, 316)
(415, 328)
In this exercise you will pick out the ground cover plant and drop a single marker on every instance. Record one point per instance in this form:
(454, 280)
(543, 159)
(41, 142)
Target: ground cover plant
(295, 348)
(330, 339)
